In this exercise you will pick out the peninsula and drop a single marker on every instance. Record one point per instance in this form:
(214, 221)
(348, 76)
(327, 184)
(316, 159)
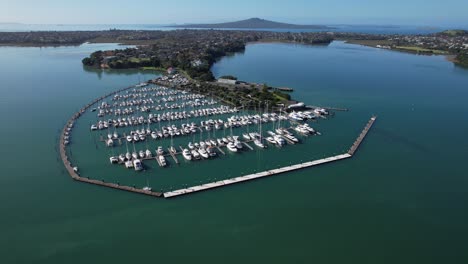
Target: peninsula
(252, 23)
(195, 50)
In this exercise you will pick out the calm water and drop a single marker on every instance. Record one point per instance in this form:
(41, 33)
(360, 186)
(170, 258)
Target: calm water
(371, 29)
(401, 199)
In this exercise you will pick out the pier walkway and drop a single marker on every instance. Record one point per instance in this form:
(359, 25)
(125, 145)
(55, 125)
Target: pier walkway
(217, 184)
(361, 137)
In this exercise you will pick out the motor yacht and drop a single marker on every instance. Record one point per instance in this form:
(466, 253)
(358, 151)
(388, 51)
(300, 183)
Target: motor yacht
(231, 147)
(148, 153)
(162, 161)
(138, 165)
(129, 164)
(204, 153)
(186, 154)
(160, 151)
(258, 143)
(271, 140)
(195, 154)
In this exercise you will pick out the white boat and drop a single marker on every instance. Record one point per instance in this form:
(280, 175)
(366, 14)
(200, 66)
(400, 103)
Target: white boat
(258, 143)
(220, 142)
(279, 140)
(154, 135)
(138, 165)
(148, 153)
(160, 151)
(109, 136)
(115, 135)
(213, 143)
(110, 143)
(173, 150)
(195, 154)
(94, 127)
(129, 164)
(203, 153)
(121, 157)
(186, 154)
(271, 140)
(135, 155)
(190, 145)
(147, 189)
(225, 140)
(129, 138)
(136, 138)
(162, 161)
(231, 147)
(141, 154)
(246, 136)
(113, 160)
(128, 156)
(238, 144)
(291, 137)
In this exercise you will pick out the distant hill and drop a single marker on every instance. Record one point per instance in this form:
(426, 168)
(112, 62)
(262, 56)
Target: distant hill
(455, 32)
(252, 23)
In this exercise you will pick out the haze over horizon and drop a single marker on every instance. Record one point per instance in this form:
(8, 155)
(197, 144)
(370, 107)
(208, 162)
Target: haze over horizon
(416, 12)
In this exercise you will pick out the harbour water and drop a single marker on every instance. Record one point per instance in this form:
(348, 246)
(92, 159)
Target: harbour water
(402, 198)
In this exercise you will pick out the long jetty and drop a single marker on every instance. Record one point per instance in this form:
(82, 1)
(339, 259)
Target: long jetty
(361, 137)
(76, 176)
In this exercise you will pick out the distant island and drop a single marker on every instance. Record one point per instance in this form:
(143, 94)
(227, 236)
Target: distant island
(252, 23)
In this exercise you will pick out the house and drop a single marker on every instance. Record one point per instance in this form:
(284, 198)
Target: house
(227, 81)
(171, 70)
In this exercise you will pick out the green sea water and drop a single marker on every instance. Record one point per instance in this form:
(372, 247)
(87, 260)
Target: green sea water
(401, 199)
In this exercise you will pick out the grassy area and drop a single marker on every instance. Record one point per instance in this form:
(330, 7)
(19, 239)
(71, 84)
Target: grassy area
(371, 43)
(153, 69)
(137, 60)
(420, 50)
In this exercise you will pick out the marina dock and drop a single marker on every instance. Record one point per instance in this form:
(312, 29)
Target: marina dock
(68, 165)
(263, 174)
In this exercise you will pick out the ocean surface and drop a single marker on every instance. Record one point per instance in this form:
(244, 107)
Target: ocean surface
(370, 29)
(401, 199)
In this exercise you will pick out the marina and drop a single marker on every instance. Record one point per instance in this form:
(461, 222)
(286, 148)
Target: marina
(202, 150)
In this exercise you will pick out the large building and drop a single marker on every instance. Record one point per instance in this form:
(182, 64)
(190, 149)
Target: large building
(227, 81)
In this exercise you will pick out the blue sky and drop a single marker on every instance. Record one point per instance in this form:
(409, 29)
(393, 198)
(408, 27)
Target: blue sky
(402, 12)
